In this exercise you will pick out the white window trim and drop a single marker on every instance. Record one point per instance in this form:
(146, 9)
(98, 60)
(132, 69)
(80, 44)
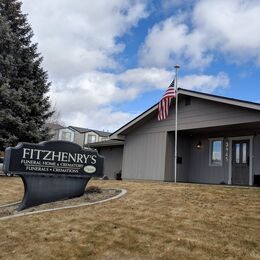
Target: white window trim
(86, 137)
(92, 134)
(210, 148)
(66, 130)
(250, 138)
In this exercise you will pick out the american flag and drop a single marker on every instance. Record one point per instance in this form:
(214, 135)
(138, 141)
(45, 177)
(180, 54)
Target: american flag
(164, 104)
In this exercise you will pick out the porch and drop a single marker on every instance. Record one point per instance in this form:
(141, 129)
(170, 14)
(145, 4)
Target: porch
(219, 155)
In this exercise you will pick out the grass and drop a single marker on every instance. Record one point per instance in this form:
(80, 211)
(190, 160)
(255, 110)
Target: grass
(153, 220)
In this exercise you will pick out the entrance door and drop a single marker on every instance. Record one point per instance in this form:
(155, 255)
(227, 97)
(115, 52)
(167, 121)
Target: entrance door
(240, 162)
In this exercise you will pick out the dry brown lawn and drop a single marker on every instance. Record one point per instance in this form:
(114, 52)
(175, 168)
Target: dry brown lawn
(154, 220)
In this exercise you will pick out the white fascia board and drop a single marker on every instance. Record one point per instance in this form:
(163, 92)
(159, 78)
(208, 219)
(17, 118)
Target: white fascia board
(205, 96)
(224, 100)
(117, 134)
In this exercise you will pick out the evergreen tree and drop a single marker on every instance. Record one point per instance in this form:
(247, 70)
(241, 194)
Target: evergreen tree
(24, 105)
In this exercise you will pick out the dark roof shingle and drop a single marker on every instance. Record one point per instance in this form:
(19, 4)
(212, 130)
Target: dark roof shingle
(85, 130)
(106, 143)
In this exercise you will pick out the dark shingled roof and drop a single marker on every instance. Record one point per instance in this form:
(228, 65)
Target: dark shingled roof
(54, 126)
(106, 143)
(85, 130)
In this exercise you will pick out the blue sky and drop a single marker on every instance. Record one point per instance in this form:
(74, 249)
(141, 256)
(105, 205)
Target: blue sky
(108, 61)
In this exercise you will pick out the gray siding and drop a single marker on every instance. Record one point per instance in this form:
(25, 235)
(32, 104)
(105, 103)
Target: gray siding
(78, 138)
(256, 155)
(183, 168)
(201, 171)
(183, 153)
(195, 162)
(169, 157)
(149, 148)
(201, 114)
(113, 160)
(144, 156)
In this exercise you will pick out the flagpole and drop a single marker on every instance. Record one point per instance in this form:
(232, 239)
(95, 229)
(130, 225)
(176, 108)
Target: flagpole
(176, 123)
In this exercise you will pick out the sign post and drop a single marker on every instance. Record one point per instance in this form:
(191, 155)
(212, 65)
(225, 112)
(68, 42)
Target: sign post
(52, 170)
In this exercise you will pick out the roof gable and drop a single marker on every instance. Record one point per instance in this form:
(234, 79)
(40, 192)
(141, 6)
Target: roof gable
(151, 112)
(53, 126)
(79, 129)
(86, 130)
(221, 99)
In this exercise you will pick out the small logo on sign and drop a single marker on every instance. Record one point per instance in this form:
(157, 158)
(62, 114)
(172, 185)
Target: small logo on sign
(89, 169)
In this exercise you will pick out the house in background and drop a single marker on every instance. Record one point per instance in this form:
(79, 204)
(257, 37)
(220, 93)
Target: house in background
(78, 135)
(53, 130)
(88, 136)
(218, 142)
(112, 150)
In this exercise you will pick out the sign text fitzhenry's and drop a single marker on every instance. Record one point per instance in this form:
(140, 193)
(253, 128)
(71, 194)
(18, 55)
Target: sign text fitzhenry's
(53, 157)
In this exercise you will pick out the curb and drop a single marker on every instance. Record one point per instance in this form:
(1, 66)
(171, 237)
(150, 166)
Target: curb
(10, 204)
(122, 193)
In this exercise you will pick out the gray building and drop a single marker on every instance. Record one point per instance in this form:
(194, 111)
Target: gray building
(53, 129)
(112, 150)
(78, 135)
(218, 142)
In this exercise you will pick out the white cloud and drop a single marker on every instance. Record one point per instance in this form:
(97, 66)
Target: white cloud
(176, 43)
(204, 83)
(78, 39)
(229, 27)
(78, 36)
(102, 119)
(90, 99)
(146, 78)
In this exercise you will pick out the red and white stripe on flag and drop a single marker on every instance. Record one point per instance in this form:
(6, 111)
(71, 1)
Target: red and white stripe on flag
(164, 104)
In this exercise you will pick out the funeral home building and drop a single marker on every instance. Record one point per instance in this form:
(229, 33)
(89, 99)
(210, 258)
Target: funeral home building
(218, 142)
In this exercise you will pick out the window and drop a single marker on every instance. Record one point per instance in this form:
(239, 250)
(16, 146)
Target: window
(216, 152)
(240, 151)
(244, 153)
(104, 138)
(91, 138)
(237, 153)
(66, 136)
